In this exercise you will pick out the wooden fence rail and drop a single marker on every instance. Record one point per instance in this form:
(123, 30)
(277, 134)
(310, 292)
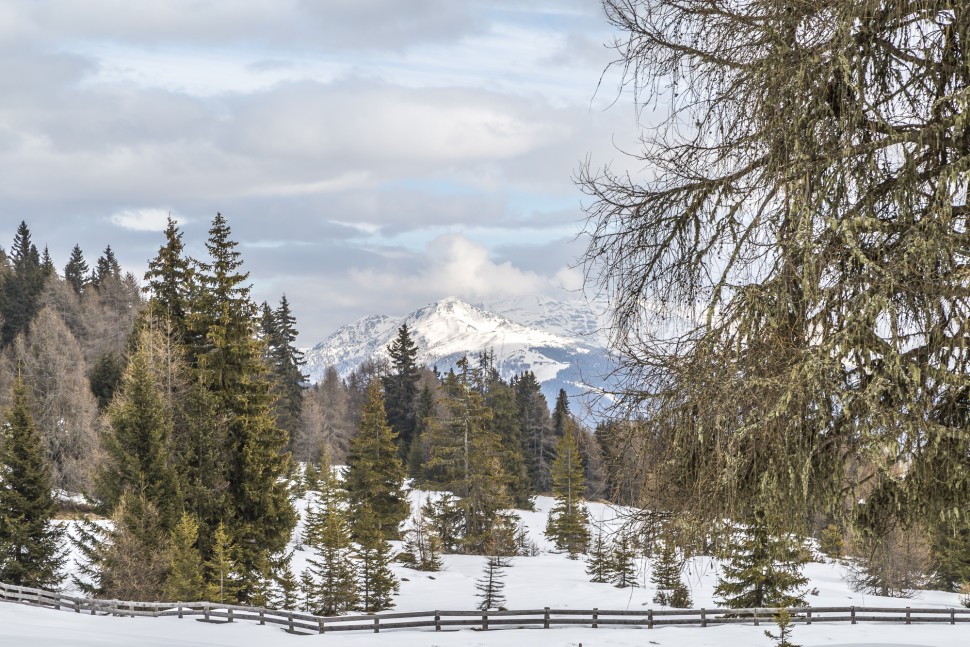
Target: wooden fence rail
(299, 622)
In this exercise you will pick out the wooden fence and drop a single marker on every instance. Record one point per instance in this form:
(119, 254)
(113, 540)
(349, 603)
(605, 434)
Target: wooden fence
(299, 623)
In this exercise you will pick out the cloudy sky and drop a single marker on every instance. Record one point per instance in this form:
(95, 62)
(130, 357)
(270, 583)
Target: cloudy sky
(371, 156)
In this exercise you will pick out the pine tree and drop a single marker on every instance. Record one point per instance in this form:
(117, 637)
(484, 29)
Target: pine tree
(666, 577)
(763, 570)
(401, 389)
(490, 586)
(375, 474)
(568, 519)
(184, 577)
(377, 584)
(222, 570)
(76, 271)
(30, 551)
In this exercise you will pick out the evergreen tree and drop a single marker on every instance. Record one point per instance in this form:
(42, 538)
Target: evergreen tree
(222, 570)
(417, 455)
(331, 573)
(170, 279)
(138, 444)
(490, 586)
(568, 519)
(184, 577)
(30, 551)
(501, 401)
(284, 588)
(536, 431)
(401, 389)
(666, 577)
(423, 544)
(623, 570)
(133, 557)
(286, 363)
(599, 560)
(76, 271)
(764, 571)
(21, 288)
(466, 458)
(377, 584)
(105, 378)
(260, 516)
(47, 268)
(106, 269)
(375, 474)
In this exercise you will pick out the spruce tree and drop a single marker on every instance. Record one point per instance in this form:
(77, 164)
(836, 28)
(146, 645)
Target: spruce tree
(106, 269)
(401, 389)
(138, 443)
(30, 550)
(466, 458)
(286, 364)
(490, 586)
(229, 362)
(536, 431)
(375, 474)
(105, 378)
(21, 289)
(599, 559)
(623, 570)
(377, 584)
(417, 453)
(332, 574)
(764, 571)
(76, 271)
(133, 559)
(568, 519)
(666, 577)
(504, 423)
(423, 544)
(170, 279)
(184, 580)
(222, 570)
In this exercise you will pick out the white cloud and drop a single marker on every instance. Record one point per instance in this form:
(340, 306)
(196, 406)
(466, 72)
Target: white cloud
(150, 219)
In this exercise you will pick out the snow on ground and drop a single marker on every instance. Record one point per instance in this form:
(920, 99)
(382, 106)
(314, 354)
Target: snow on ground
(548, 579)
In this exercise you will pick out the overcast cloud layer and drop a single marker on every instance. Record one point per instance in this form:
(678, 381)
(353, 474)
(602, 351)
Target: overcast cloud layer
(371, 156)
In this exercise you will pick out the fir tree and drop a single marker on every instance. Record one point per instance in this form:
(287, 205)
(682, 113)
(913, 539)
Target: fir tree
(21, 288)
(568, 519)
(466, 457)
(666, 577)
(106, 269)
(260, 516)
(401, 389)
(764, 571)
(138, 443)
(375, 474)
(184, 577)
(286, 363)
(284, 588)
(784, 621)
(133, 559)
(535, 430)
(490, 586)
(501, 401)
(623, 570)
(222, 570)
(599, 560)
(170, 279)
(377, 584)
(76, 271)
(423, 544)
(30, 551)
(331, 574)
(105, 378)
(417, 455)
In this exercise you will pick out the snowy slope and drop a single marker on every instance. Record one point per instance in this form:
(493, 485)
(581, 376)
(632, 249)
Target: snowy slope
(558, 341)
(548, 579)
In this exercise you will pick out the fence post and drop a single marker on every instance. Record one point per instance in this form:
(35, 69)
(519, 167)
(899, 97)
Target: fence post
(320, 625)
(703, 618)
(545, 622)
(262, 616)
(756, 621)
(953, 619)
(595, 618)
(229, 614)
(92, 605)
(853, 615)
(57, 601)
(808, 616)
(205, 608)
(649, 618)
(485, 620)
(377, 624)
(289, 617)
(907, 616)
(437, 620)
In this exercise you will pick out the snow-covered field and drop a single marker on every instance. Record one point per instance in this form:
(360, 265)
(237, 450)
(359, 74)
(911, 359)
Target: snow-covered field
(545, 580)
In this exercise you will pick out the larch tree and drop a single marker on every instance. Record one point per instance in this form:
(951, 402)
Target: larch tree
(787, 278)
(30, 543)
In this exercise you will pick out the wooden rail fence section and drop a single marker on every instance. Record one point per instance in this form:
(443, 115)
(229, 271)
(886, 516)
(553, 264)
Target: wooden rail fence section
(299, 623)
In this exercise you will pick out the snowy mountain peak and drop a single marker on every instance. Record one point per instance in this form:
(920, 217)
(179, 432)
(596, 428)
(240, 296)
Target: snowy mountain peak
(446, 330)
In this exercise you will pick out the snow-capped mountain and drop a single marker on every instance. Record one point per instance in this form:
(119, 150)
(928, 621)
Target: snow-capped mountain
(558, 341)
